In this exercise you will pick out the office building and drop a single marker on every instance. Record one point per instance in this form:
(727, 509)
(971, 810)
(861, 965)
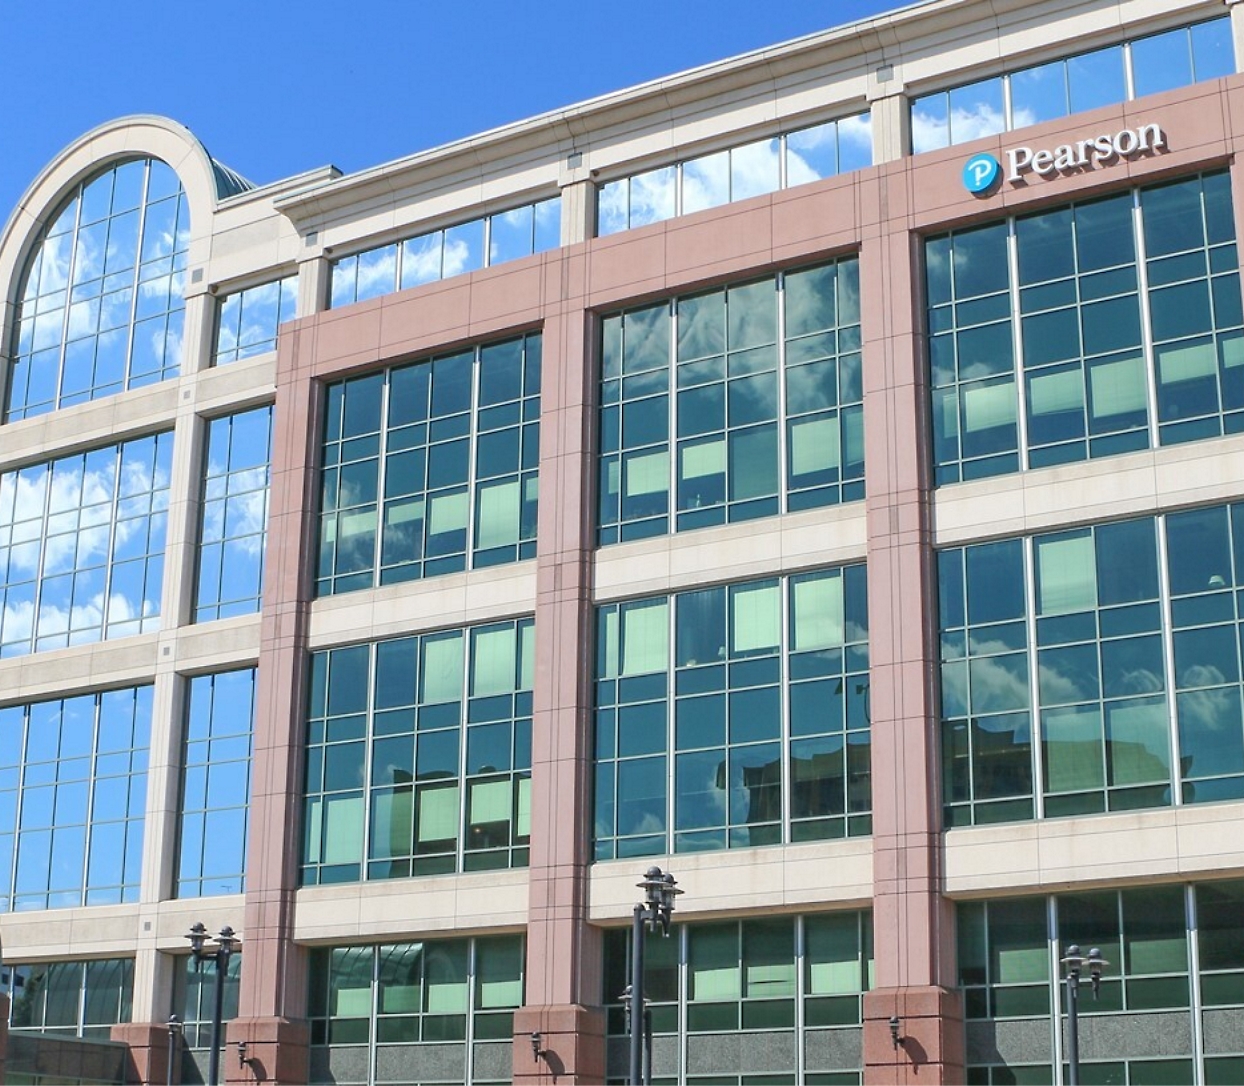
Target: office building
(819, 474)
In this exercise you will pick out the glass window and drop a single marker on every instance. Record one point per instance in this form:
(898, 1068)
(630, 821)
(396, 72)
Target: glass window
(468, 246)
(431, 467)
(1175, 58)
(725, 977)
(73, 999)
(759, 752)
(419, 755)
(1066, 289)
(418, 1003)
(215, 791)
(737, 173)
(194, 992)
(1100, 622)
(249, 319)
(74, 787)
(102, 307)
(709, 446)
(233, 530)
(85, 541)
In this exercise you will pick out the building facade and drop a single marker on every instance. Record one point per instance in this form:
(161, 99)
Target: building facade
(820, 474)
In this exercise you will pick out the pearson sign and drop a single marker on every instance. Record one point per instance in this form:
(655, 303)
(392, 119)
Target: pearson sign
(981, 171)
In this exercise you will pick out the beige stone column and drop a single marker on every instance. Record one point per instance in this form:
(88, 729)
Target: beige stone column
(273, 996)
(563, 950)
(912, 923)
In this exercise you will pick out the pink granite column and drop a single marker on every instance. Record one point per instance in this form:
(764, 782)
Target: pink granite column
(913, 924)
(563, 951)
(273, 997)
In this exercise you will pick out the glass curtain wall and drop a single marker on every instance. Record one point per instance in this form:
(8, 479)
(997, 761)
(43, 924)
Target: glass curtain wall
(434, 1011)
(736, 173)
(1086, 331)
(215, 793)
(102, 306)
(740, 403)
(431, 468)
(733, 716)
(455, 250)
(73, 790)
(419, 755)
(234, 528)
(84, 536)
(73, 999)
(1171, 1004)
(249, 319)
(789, 990)
(1116, 645)
(1059, 88)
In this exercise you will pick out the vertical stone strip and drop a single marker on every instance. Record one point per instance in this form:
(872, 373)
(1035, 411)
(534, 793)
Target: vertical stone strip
(273, 995)
(563, 951)
(913, 925)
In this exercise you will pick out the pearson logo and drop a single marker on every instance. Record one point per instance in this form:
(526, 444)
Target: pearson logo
(1085, 154)
(979, 172)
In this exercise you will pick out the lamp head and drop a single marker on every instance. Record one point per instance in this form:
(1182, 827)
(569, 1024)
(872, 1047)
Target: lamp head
(197, 936)
(227, 941)
(652, 884)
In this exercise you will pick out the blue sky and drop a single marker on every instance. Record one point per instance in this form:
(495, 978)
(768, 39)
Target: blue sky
(273, 88)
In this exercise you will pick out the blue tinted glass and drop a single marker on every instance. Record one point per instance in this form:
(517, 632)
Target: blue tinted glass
(1162, 62)
(121, 242)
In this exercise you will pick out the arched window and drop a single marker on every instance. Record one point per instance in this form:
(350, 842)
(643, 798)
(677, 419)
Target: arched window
(102, 307)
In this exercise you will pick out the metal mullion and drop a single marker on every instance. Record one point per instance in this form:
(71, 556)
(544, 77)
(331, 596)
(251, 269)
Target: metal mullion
(373, 1023)
(782, 180)
(464, 702)
(110, 561)
(1129, 76)
(1017, 347)
(1034, 708)
(1146, 330)
(779, 299)
(801, 950)
(1007, 105)
(81, 999)
(138, 272)
(367, 756)
(1056, 995)
(784, 649)
(472, 450)
(671, 713)
(486, 255)
(43, 549)
(684, 956)
(90, 805)
(381, 474)
(671, 414)
(17, 818)
(472, 981)
(64, 333)
(1194, 984)
(1165, 609)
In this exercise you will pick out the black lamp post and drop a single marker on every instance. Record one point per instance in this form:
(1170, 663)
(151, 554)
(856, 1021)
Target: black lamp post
(1075, 962)
(174, 1033)
(226, 944)
(660, 889)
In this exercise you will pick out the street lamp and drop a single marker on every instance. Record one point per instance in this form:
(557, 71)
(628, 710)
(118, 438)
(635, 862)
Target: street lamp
(227, 943)
(1075, 961)
(175, 1027)
(660, 889)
